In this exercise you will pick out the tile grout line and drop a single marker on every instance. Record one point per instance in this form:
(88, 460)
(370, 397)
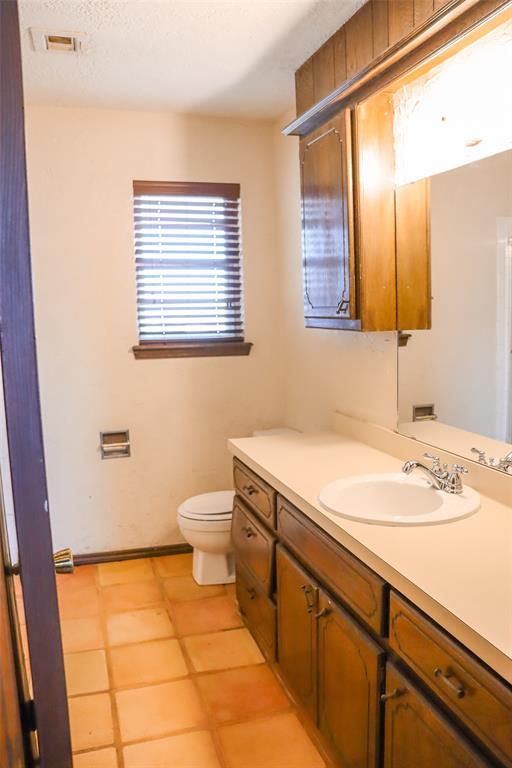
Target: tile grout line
(99, 615)
(116, 727)
(211, 725)
(190, 667)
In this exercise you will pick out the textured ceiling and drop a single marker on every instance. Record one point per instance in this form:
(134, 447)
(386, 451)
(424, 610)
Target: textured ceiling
(235, 57)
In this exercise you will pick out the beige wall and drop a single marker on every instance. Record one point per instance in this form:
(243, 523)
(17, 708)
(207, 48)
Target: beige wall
(81, 163)
(325, 370)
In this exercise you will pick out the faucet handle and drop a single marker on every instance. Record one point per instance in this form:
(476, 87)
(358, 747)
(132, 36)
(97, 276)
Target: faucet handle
(436, 462)
(481, 455)
(454, 480)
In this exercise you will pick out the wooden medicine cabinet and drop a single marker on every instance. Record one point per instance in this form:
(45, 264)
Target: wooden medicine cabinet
(357, 225)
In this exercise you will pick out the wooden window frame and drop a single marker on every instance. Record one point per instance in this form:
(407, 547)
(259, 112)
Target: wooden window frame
(145, 350)
(149, 349)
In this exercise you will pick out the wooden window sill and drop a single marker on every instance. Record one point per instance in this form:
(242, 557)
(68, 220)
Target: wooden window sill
(191, 349)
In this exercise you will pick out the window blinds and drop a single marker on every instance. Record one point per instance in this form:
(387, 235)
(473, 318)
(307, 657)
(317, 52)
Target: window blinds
(188, 261)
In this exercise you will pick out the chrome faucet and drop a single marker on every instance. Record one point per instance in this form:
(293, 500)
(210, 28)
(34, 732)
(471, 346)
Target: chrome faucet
(438, 474)
(504, 464)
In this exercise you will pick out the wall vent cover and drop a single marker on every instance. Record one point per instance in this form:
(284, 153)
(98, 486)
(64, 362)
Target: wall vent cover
(57, 40)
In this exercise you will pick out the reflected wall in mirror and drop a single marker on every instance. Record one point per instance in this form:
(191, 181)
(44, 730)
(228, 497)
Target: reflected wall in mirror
(455, 379)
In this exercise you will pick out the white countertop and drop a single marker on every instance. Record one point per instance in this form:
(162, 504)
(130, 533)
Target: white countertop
(459, 573)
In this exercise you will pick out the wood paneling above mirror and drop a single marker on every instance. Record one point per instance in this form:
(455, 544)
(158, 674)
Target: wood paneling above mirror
(375, 27)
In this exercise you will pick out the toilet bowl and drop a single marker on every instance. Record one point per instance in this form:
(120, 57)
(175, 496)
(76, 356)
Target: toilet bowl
(205, 523)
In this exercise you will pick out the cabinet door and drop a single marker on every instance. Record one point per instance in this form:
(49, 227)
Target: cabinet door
(350, 665)
(258, 612)
(297, 600)
(327, 225)
(417, 734)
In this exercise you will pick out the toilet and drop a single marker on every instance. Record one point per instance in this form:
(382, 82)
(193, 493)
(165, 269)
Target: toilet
(205, 523)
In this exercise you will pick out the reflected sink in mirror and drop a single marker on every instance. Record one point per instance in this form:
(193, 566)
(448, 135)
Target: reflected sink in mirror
(396, 499)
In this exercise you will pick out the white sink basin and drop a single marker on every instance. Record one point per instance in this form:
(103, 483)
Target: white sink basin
(396, 499)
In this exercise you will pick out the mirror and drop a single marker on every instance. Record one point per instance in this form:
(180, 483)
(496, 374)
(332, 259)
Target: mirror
(455, 378)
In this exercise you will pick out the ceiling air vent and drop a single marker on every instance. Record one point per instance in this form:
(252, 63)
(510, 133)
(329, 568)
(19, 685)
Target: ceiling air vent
(46, 40)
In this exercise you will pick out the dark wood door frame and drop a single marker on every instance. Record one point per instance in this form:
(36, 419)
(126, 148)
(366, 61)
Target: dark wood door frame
(22, 407)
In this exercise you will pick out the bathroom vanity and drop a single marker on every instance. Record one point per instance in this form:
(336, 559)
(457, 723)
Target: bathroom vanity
(397, 641)
(388, 675)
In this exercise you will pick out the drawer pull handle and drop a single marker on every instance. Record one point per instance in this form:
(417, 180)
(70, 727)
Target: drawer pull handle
(393, 694)
(249, 489)
(310, 604)
(248, 531)
(251, 592)
(323, 612)
(451, 681)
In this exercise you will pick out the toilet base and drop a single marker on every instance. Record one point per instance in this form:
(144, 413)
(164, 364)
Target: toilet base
(213, 568)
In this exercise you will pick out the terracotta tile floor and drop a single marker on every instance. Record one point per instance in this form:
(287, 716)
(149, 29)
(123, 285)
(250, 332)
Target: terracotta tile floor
(162, 674)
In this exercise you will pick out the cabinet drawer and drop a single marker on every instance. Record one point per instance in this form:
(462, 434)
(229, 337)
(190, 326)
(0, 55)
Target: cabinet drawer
(255, 492)
(359, 588)
(417, 734)
(478, 698)
(258, 612)
(254, 546)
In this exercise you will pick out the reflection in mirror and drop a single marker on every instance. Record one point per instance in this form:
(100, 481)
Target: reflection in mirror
(455, 379)
(458, 374)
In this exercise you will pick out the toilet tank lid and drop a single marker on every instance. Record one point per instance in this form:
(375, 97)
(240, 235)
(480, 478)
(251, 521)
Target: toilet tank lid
(215, 503)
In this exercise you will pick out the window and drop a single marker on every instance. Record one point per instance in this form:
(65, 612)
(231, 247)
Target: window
(188, 269)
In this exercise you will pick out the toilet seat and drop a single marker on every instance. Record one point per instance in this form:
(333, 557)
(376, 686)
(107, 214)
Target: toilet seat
(213, 507)
(212, 526)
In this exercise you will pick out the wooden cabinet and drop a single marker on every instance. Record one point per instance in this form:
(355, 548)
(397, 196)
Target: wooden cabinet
(255, 492)
(297, 599)
(330, 664)
(258, 612)
(253, 545)
(356, 288)
(472, 693)
(350, 666)
(332, 655)
(417, 734)
(343, 574)
(366, 243)
(328, 225)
